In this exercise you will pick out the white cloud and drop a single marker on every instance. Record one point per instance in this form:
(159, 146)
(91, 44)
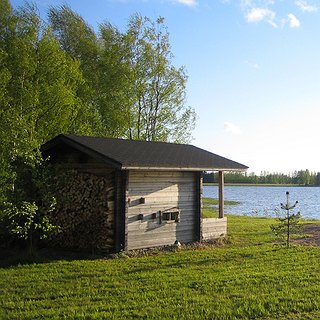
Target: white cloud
(231, 128)
(306, 7)
(261, 14)
(256, 11)
(293, 21)
(189, 3)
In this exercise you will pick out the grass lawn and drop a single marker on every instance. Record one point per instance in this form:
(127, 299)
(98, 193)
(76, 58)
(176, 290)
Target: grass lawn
(211, 207)
(250, 277)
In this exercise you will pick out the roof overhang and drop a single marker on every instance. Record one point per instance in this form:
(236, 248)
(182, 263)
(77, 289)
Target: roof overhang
(180, 169)
(83, 144)
(82, 148)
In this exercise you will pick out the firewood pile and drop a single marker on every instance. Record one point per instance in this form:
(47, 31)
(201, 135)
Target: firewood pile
(85, 212)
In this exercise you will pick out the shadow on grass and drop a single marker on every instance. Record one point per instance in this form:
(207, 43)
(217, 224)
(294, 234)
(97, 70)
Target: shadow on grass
(14, 257)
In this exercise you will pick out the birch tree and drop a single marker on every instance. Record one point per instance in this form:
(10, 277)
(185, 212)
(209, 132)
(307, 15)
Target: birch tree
(159, 111)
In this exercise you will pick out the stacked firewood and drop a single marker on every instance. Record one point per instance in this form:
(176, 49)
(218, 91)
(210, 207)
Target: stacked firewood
(85, 211)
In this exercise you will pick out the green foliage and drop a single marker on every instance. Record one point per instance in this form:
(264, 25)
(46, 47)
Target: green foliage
(38, 86)
(130, 82)
(287, 226)
(21, 219)
(63, 77)
(27, 221)
(5, 237)
(159, 111)
(80, 43)
(26, 213)
(114, 90)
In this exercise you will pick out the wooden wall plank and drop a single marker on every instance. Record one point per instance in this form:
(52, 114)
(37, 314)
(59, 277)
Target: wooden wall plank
(214, 228)
(155, 227)
(161, 191)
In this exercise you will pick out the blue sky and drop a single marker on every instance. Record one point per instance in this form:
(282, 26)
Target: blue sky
(253, 67)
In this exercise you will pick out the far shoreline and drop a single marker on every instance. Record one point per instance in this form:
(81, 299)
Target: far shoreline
(259, 185)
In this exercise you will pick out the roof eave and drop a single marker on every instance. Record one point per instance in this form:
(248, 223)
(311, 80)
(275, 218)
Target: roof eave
(82, 148)
(182, 168)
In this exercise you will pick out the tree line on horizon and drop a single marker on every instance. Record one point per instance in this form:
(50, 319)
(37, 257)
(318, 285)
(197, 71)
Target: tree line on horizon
(298, 177)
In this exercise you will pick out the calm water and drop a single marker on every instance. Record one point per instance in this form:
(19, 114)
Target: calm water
(256, 200)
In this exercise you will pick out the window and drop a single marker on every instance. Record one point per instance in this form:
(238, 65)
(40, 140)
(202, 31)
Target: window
(171, 216)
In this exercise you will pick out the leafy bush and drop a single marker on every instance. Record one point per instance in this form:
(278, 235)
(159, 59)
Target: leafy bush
(25, 215)
(28, 222)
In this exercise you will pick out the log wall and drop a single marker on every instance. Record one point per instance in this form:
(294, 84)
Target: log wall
(161, 191)
(85, 210)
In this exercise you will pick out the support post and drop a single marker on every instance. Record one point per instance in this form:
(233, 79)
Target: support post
(121, 211)
(198, 207)
(221, 194)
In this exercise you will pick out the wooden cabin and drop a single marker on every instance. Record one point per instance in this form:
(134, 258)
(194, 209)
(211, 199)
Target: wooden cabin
(126, 194)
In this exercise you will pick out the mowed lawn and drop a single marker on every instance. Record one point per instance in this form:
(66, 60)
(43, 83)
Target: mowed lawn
(249, 277)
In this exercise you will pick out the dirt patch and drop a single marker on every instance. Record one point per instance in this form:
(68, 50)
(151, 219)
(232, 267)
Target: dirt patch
(312, 235)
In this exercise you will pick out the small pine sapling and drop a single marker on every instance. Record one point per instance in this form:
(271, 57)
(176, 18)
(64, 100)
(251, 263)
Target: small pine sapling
(288, 224)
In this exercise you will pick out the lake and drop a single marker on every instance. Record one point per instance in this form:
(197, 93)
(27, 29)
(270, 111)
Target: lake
(259, 200)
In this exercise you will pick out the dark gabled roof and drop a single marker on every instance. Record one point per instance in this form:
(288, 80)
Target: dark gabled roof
(132, 154)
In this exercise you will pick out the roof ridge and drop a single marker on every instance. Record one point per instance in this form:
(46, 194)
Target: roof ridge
(125, 139)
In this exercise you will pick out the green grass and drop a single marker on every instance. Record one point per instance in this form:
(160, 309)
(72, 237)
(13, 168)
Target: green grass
(250, 278)
(210, 207)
